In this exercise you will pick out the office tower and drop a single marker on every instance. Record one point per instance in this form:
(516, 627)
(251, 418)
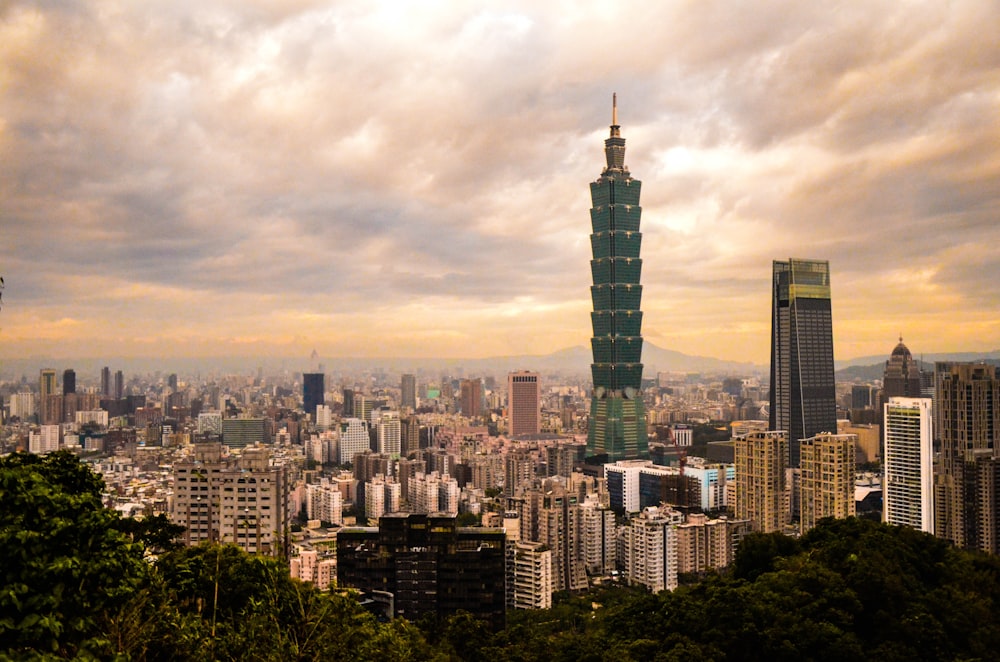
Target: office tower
(119, 385)
(106, 381)
(908, 461)
(349, 403)
(313, 392)
(242, 432)
(428, 564)
(761, 460)
(471, 397)
(524, 403)
(902, 376)
(353, 440)
(408, 391)
(49, 400)
(967, 477)
(803, 390)
(203, 504)
(617, 414)
(827, 478)
(69, 381)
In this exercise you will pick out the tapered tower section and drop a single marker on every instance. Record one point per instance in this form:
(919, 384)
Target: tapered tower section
(617, 415)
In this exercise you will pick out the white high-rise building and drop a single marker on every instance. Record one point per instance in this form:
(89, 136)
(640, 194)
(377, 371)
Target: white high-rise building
(908, 458)
(529, 575)
(210, 422)
(650, 549)
(353, 440)
(324, 417)
(45, 440)
(325, 502)
(22, 405)
(388, 433)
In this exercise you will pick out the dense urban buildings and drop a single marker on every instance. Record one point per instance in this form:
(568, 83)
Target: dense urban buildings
(908, 461)
(803, 390)
(617, 413)
(524, 403)
(967, 478)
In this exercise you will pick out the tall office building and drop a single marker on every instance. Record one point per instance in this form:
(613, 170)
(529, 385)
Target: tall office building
(902, 374)
(908, 461)
(69, 381)
(106, 381)
(967, 478)
(617, 414)
(827, 478)
(49, 404)
(349, 403)
(803, 390)
(408, 391)
(313, 392)
(761, 460)
(471, 397)
(119, 385)
(524, 403)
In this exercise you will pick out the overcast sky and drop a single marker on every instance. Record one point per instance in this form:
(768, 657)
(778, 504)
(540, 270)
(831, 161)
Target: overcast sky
(411, 179)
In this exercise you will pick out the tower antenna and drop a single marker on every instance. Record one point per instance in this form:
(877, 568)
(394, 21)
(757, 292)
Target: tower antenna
(614, 108)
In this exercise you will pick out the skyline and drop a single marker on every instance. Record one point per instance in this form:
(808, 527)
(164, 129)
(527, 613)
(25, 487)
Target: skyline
(365, 180)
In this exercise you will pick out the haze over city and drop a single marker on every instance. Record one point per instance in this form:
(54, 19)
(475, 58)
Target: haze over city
(391, 179)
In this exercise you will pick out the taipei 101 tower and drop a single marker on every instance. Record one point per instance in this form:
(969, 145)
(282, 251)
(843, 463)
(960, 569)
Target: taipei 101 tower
(617, 415)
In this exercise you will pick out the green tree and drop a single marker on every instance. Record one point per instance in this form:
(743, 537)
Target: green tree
(63, 561)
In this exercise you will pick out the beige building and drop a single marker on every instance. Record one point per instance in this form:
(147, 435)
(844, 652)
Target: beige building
(228, 499)
(529, 575)
(827, 478)
(761, 459)
(705, 544)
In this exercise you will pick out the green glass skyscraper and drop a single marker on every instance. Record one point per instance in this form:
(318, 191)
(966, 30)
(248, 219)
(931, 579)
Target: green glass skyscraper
(617, 415)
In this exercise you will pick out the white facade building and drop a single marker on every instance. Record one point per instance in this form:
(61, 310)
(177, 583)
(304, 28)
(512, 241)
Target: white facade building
(353, 440)
(650, 549)
(908, 487)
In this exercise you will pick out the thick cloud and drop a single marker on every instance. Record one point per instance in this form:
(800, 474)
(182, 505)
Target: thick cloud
(386, 179)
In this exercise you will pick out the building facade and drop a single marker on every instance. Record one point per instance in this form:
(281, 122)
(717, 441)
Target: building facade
(524, 403)
(243, 501)
(617, 428)
(826, 478)
(428, 564)
(313, 392)
(761, 460)
(803, 389)
(967, 477)
(908, 461)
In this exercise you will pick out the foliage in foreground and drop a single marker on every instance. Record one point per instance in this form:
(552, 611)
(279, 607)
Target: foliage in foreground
(76, 584)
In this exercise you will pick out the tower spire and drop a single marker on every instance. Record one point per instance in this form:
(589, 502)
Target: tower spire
(614, 109)
(614, 146)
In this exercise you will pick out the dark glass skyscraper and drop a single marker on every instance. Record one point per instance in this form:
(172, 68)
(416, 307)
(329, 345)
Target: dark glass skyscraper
(617, 415)
(313, 392)
(803, 391)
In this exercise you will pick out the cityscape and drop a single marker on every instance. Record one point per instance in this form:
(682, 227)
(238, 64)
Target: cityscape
(456, 460)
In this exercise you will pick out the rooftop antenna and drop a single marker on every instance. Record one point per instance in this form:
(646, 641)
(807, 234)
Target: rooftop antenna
(614, 108)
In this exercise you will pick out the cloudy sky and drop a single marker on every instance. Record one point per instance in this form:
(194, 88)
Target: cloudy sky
(411, 179)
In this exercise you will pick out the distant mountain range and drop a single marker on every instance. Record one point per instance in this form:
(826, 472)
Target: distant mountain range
(572, 361)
